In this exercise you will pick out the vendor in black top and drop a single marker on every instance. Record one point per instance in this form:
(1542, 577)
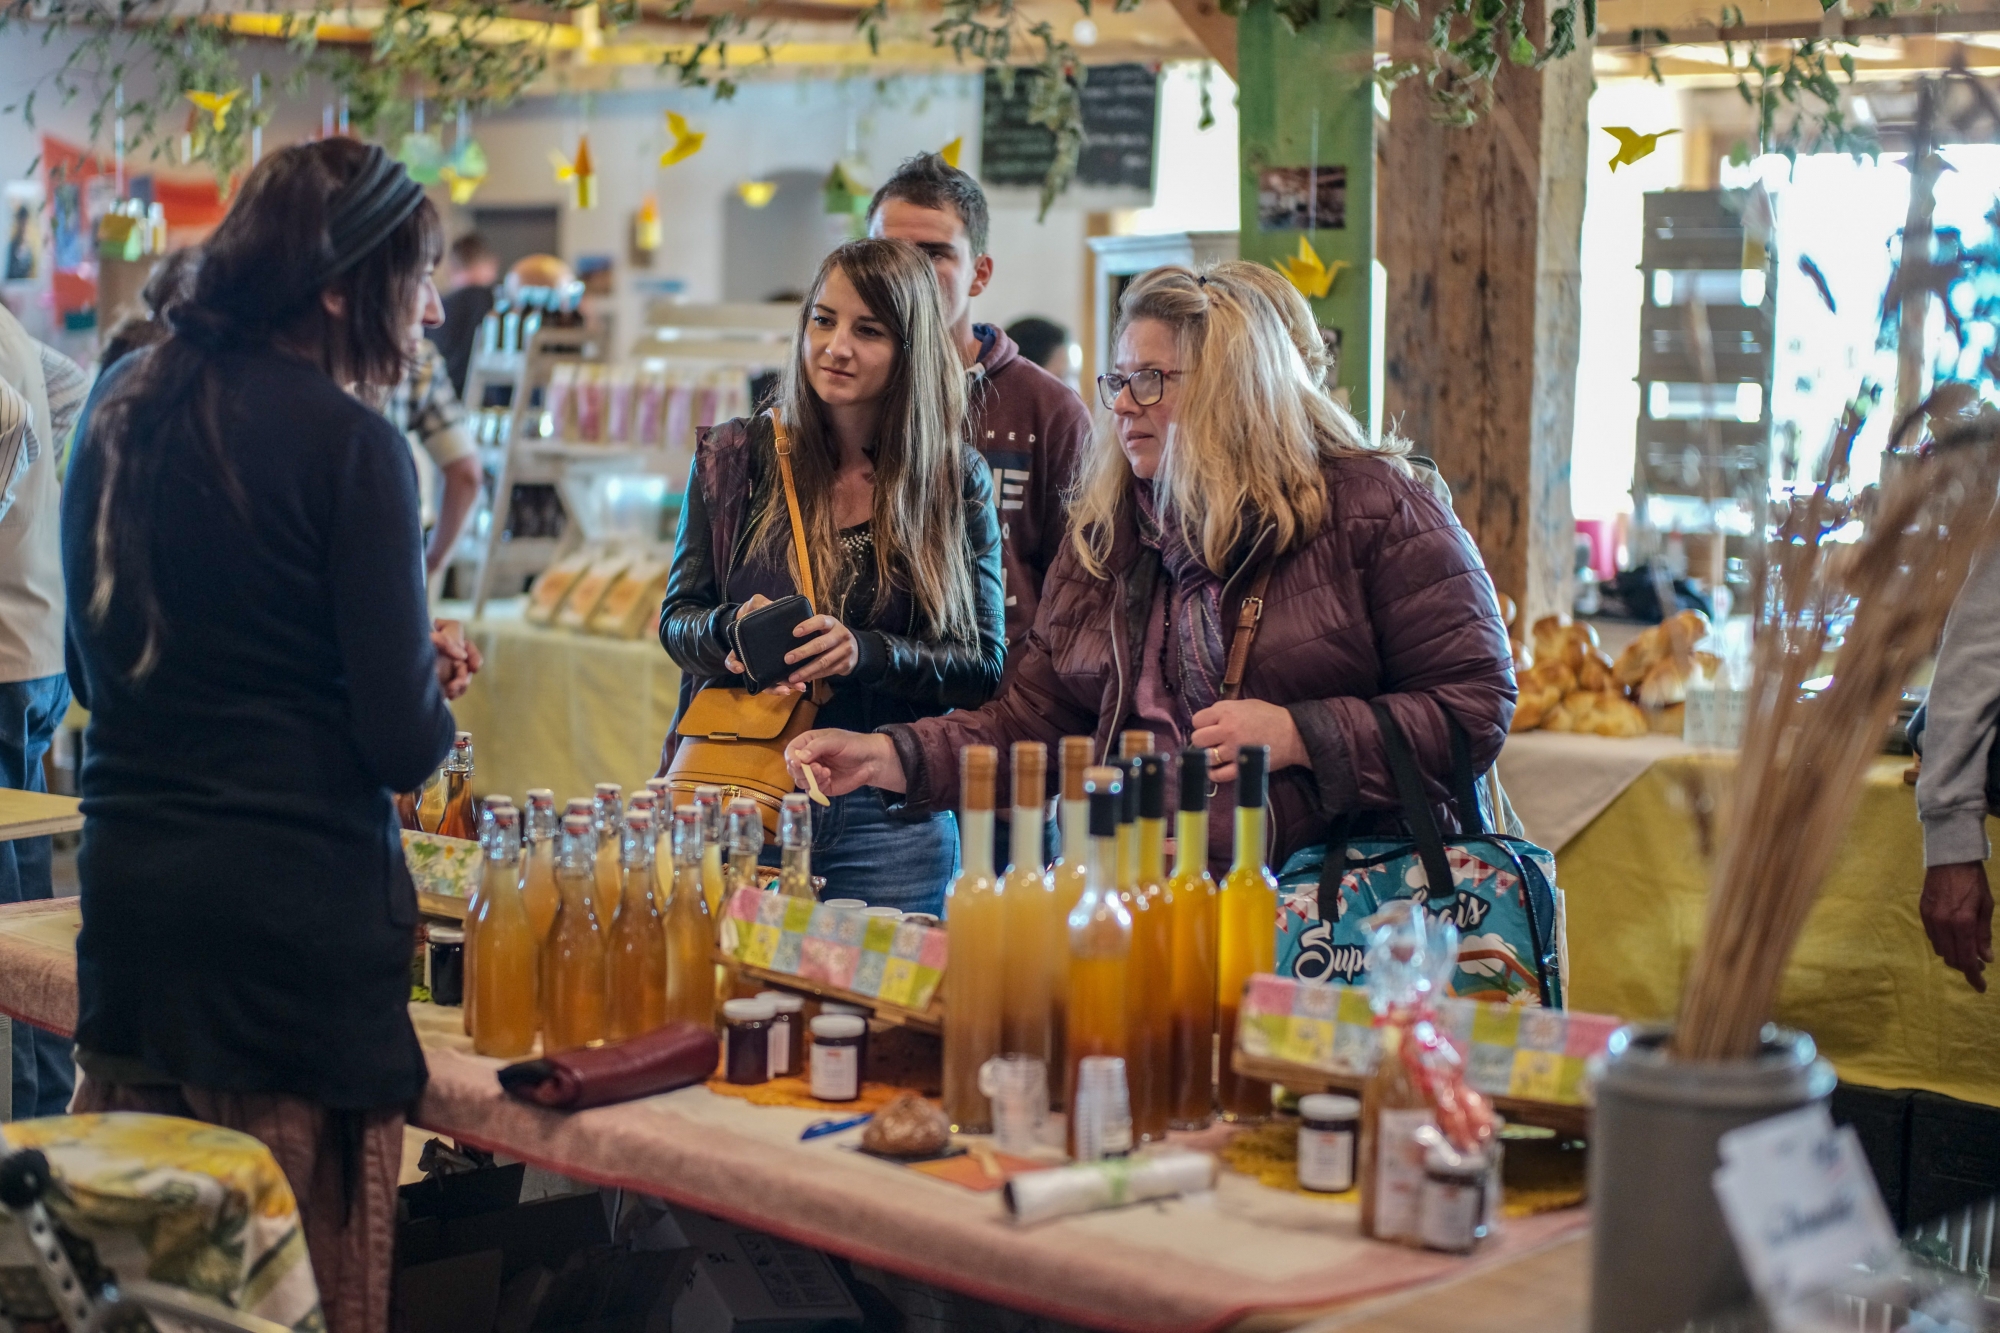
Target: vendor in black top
(904, 542)
(247, 626)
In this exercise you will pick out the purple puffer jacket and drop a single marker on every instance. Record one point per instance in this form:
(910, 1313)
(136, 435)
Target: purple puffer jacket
(1389, 602)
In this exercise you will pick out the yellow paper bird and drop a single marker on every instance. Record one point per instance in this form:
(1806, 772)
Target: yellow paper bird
(462, 187)
(951, 151)
(1307, 272)
(579, 170)
(1633, 145)
(757, 193)
(216, 104)
(686, 142)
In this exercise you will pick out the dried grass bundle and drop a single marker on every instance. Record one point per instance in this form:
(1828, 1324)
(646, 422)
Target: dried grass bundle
(1804, 757)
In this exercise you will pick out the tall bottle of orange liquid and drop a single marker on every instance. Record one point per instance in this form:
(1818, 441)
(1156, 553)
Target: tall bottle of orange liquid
(493, 805)
(608, 812)
(690, 932)
(714, 884)
(1028, 900)
(501, 956)
(638, 963)
(460, 818)
(1100, 940)
(795, 847)
(743, 826)
(1068, 875)
(974, 981)
(573, 957)
(538, 855)
(1248, 937)
(1149, 1062)
(1191, 910)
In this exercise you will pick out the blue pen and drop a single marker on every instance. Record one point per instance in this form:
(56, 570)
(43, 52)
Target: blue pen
(821, 1128)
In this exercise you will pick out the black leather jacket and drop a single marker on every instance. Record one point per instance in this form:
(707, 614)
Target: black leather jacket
(907, 676)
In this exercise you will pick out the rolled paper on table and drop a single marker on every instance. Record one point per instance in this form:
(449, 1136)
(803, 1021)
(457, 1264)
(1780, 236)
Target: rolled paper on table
(1040, 1195)
(675, 1056)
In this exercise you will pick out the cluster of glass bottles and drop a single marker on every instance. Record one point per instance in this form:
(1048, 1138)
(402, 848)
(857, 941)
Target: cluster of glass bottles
(444, 804)
(1106, 952)
(599, 926)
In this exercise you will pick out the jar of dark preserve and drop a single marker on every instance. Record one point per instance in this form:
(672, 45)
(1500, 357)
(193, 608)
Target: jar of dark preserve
(746, 1044)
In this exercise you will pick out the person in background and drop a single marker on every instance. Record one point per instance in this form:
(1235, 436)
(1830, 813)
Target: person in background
(471, 270)
(1961, 715)
(135, 332)
(41, 391)
(898, 515)
(1029, 425)
(424, 408)
(1375, 594)
(247, 625)
(1045, 343)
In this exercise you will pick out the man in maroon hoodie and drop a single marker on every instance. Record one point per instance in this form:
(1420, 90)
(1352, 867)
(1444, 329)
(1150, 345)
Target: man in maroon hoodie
(1028, 424)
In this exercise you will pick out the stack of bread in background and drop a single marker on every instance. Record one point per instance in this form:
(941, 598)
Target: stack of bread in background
(1569, 683)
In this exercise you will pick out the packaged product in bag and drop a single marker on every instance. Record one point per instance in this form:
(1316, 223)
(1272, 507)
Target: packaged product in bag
(1419, 1079)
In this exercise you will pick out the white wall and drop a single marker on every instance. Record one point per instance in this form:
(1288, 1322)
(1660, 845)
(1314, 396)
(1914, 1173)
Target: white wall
(767, 128)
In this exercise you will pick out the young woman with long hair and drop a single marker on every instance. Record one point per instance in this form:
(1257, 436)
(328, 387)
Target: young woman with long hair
(903, 540)
(1222, 457)
(248, 628)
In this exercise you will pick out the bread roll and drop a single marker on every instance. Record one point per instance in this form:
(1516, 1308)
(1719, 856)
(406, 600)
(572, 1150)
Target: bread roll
(1615, 716)
(1507, 609)
(1668, 721)
(1666, 683)
(1549, 637)
(1595, 672)
(1639, 656)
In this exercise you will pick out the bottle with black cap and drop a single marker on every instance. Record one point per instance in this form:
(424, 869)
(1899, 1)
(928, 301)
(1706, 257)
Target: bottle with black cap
(1248, 939)
(1149, 1064)
(1100, 938)
(1191, 910)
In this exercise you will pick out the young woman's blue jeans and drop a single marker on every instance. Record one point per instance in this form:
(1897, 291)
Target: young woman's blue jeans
(863, 853)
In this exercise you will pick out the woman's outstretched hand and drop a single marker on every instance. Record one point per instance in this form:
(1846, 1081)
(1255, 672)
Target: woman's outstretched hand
(1226, 727)
(845, 760)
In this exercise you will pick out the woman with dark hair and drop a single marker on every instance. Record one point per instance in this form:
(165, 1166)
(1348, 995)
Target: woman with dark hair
(903, 541)
(247, 626)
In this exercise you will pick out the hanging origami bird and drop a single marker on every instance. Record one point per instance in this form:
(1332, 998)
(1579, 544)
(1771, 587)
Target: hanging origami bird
(687, 142)
(951, 151)
(216, 104)
(422, 155)
(1633, 145)
(1307, 272)
(580, 170)
(757, 193)
(466, 171)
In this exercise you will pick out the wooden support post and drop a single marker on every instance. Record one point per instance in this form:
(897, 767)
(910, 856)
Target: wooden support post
(1480, 234)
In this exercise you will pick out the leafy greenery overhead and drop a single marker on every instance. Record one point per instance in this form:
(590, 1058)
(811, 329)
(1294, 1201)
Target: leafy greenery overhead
(136, 60)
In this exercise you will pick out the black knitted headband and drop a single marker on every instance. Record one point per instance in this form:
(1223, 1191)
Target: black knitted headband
(367, 209)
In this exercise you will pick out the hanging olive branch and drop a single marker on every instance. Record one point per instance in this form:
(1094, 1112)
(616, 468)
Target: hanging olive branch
(1800, 78)
(1464, 48)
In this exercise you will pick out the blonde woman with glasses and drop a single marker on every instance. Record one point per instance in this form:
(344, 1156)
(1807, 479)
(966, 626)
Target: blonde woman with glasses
(1222, 466)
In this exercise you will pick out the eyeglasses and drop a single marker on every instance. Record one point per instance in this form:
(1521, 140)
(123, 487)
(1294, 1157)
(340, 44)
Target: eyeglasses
(1146, 385)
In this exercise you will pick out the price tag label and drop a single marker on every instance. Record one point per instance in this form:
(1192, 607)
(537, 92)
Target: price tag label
(1801, 1204)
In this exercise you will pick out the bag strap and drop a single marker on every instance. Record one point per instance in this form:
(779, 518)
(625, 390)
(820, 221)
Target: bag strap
(1247, 617)
(782, 439)
(1417, 813)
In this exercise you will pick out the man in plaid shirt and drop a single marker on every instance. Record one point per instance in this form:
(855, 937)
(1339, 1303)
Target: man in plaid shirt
(424, 408)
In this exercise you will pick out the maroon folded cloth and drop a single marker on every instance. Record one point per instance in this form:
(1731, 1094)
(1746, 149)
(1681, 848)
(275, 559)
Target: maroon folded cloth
(672, 1057)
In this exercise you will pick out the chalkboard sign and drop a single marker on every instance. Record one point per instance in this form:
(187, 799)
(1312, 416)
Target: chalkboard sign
(1119, 103)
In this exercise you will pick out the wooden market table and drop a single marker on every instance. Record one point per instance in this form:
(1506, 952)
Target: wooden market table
(36, 814)
(1244, 1256)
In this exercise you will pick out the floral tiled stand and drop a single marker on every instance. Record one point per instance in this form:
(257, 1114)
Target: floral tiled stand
(1510, 1051)
(896, 962)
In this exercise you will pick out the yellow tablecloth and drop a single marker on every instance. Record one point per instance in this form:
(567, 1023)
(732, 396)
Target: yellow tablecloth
(1864, 982)
(561, 710)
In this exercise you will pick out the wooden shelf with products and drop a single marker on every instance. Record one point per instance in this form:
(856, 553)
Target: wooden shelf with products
(929, 1019)
(1564, 1119)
